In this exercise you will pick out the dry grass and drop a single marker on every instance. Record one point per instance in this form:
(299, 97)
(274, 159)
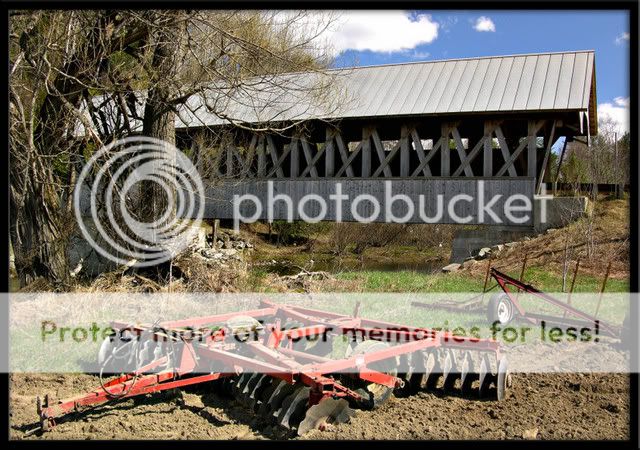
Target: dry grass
(596, 240)
(188, 273)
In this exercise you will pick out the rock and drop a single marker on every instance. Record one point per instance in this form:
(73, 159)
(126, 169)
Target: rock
(451, 267)
(551, 230)
(208, 253)
(530, 434)
(468, 263)
(483, 253)
(229, 251)
(527, 238)
(510, 244)
(497, 248)
(220, 243)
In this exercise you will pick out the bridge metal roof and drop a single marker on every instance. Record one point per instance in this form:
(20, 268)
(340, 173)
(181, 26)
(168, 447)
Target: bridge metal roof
(551, 82)
(519, 83)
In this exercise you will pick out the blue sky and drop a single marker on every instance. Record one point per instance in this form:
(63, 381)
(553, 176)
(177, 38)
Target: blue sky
(383, 37)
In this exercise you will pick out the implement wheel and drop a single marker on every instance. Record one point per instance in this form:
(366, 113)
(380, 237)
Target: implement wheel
(500, 309)
(373, 394)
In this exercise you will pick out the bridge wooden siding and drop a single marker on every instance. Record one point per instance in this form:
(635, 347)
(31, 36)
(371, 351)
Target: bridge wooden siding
(220, 198)
(438, 125)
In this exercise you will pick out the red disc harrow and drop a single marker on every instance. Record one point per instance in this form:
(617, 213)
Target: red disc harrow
(280, 361)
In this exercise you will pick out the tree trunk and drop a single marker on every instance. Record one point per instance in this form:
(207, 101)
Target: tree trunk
(40, 222)
(159, 115)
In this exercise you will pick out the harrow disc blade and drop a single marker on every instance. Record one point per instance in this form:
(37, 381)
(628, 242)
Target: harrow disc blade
(502, 381)
(327, 412)
(467, 376)
(450, 370)
(241, 383)
(433, 369)
(419, 374)
(248, 388)
(405, 372)
(274, 404)
(226, 387)
(485, 376)
(293, 408)
(263, 407)
(255, 397)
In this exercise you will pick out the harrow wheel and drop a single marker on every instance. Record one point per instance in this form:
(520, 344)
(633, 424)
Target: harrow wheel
(373, 394)
(503, 380)
(500, 309)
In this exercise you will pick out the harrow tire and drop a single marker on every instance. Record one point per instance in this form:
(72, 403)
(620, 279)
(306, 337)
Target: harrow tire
(500, 309)
(374, 394)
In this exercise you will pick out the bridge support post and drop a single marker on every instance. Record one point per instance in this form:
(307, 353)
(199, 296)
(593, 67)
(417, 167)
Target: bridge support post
(445, 154)
(330, 152)
(487, 152)
(366, 152)
(404, 151)
(532, 149)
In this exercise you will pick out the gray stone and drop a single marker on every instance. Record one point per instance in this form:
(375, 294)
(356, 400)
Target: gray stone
(451, 267)
(483, 253)
(229, 251)
(468, 263)
(497, 248)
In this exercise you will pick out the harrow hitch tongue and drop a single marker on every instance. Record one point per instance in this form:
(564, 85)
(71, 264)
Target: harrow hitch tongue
(279, 362)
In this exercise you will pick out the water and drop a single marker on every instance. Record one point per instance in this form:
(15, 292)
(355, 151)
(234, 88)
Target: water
(287, 267)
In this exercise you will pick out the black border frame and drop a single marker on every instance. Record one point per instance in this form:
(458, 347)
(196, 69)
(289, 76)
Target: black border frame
(631, 6)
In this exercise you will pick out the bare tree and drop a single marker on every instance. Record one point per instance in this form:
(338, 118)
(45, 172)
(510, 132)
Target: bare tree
(80, 79)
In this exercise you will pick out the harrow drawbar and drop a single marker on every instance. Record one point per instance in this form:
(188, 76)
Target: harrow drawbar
(286, 364)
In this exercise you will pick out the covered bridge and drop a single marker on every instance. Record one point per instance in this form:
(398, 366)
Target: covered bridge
(431, 126)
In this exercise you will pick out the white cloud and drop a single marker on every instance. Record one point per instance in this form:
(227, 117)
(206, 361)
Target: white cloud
(381, 31)
(484, 23)
(622, 38)
(420, 55)
(618, 112)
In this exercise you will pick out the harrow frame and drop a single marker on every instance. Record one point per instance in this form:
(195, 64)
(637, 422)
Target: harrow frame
(271, 353)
